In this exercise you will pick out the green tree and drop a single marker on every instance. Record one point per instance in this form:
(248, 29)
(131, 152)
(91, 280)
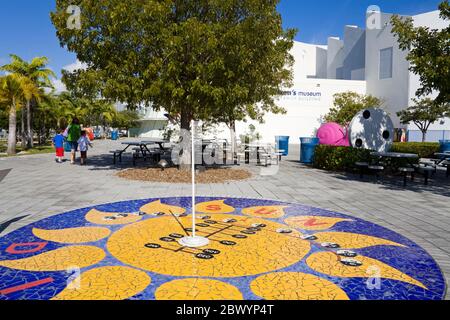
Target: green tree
(428, 53)
(423, 113)
(14, 90)
(3, 118)
(126, 119)
(348, 104)
(37, 72)
(192, 58)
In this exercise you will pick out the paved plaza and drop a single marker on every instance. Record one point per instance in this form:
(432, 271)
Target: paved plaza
(37, 187)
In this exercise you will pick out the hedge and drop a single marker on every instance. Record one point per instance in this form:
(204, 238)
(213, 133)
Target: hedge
(339, 158)
(343, 158)
(423, 149)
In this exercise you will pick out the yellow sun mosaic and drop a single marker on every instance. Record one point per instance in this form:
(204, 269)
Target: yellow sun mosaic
(250, 244)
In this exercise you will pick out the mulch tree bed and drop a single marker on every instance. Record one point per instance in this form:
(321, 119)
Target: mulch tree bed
(173, 175)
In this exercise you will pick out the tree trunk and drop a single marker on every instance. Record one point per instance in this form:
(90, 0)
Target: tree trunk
(30, 140)
(186, 158)
(233, 139)
(12, 129)
(23, 133)
(424, 136)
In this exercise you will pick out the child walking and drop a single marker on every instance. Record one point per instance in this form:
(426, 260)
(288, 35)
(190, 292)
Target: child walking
(84, 143)
(58, 144)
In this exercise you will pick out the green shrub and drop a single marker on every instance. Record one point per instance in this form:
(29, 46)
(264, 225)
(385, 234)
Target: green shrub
(423, 149)
(339, 158)
(343, 158)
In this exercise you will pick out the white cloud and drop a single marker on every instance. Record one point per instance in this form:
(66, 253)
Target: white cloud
(77, 65)
(59, 86)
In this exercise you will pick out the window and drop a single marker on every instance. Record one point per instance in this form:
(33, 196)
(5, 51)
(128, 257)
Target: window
(386, 61)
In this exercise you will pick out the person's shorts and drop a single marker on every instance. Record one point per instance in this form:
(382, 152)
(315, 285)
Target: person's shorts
(73, 146)
(83, 154)
(60, 152)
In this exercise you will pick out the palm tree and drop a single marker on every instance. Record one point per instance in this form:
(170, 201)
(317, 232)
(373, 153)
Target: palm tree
(14, 89)
(37, 72)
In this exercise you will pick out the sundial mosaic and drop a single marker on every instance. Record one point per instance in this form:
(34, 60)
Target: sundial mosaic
(258, 249)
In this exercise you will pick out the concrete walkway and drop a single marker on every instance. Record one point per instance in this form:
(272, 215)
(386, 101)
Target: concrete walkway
(38, 187)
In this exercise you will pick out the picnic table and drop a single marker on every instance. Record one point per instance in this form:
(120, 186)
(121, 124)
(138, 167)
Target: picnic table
(247, 147)
(396, 155)
(412, 161)
(213, 146)
(442, 156)
(142, 148)
(266, 149)
(443, 160)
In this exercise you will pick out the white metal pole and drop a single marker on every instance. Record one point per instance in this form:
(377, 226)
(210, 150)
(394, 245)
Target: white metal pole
(193, 241)
(193, 179)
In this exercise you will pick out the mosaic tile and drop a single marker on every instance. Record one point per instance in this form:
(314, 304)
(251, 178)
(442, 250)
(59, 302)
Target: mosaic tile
(259, 249)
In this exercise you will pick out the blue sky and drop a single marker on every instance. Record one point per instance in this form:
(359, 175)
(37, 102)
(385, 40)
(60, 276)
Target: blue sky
(26, 30)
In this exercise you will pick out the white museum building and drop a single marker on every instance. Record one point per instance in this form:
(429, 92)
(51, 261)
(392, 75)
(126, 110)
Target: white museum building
(366, 61)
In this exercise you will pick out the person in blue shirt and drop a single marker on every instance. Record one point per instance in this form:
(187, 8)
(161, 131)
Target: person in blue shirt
(58, 144)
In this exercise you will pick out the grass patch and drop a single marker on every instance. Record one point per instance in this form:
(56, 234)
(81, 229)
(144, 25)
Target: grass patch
(44, 149)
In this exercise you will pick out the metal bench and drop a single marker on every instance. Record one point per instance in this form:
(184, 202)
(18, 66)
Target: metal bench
(117, 154)
(361, 167)
(377, 170)
(239, 157)
(446, 164)
(265, 156)
(405, 171)
(426, 171)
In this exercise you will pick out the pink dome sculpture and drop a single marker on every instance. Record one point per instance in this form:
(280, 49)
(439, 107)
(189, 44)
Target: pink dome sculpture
(333, 134)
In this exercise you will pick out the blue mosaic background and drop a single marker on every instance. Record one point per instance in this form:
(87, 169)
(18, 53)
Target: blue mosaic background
(411, 260)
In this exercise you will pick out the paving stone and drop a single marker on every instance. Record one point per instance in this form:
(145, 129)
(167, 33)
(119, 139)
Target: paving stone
(38, 186)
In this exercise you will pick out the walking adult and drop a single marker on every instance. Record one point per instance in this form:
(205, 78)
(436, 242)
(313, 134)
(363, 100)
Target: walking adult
(73, 134)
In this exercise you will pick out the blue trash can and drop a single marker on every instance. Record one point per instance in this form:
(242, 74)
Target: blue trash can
(283, 144)
(114, 135)
(307, 149)
(445, 145)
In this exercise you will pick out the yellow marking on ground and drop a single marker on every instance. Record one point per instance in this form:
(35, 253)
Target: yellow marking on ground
(329, 263)
(98, 217)
(106, 283)
(73, 235)
(313, 223)
(58, 260)
(296, 286)
(157, 206)
(353, 240)
(271, 212)
(217, 206)
(262, 252)
(197, 289)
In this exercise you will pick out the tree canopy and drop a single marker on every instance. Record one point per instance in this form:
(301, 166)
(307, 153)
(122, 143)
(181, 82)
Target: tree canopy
(208, 60)
(348, 104)
(423, 113)
(429, 53)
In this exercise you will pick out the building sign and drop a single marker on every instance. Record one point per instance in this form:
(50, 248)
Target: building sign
(300, 95)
